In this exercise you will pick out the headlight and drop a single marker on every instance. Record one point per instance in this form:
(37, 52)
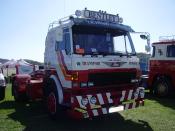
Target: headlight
(93, 100)
(84, 101)
(134, 80)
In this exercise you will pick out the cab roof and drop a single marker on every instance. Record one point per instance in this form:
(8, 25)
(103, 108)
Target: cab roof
(165, 42)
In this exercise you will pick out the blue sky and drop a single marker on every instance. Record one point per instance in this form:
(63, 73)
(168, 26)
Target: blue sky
(24, 23)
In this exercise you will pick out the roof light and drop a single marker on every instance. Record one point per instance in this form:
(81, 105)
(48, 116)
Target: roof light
(99, 15)
(78, 13)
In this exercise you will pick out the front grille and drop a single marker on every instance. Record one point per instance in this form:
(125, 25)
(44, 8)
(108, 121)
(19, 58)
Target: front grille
(112, 78)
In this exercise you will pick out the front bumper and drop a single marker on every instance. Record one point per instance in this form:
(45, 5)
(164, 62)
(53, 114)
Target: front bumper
(106, 102)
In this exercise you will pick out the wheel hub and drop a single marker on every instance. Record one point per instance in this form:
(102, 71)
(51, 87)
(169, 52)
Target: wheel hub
(161, 89)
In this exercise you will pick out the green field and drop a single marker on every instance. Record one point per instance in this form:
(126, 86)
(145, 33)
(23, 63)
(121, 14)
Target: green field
(156, 115)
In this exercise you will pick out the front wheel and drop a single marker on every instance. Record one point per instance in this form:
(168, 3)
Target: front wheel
(53, 107)
(19, 97)
(161, 87)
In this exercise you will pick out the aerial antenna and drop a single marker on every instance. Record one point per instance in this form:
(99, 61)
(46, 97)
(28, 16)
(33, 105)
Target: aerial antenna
(64, 7)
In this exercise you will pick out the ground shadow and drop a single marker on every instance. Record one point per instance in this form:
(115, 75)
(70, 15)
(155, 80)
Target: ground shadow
(34, 117)
(168, 101)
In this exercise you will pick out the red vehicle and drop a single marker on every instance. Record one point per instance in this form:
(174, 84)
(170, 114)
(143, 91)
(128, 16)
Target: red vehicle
(162, 67)
(91, 67)
(28, 86)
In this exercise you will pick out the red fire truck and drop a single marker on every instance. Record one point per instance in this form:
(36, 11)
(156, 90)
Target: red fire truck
(162, 67)
(91, 67)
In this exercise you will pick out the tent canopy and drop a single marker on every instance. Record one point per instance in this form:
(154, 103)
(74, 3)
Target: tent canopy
(13, 63)
(9, 64)
(23, 62)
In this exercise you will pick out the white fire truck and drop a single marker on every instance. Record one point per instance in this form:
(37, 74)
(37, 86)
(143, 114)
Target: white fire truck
(162, 67)
(91, 67)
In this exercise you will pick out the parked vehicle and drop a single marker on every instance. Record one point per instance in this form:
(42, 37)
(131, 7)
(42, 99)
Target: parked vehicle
(2, 86)
(162, 67)
(91, 67)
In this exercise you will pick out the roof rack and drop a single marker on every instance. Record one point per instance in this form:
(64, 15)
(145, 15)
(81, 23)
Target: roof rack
(167, 38)
(60, 21)
(88, 14)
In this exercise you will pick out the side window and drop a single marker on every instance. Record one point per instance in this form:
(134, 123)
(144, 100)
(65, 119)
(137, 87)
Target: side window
(67, 43)
(59, 45)
(153, 53)
(160, 52)
(171, 51)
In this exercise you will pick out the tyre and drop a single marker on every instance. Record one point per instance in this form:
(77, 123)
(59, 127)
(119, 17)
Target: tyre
(52, 100)
(19, 97)
(2, 93)
(161, 87)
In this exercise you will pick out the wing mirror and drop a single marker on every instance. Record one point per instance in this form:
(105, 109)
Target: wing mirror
(146, 37)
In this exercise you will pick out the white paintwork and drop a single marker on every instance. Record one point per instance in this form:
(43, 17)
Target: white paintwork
(104, 110)
(102, 60)
(116, 109)
(162, 47)
(95, 112)
(100, 98)
(51, 59)
(59, 89)
(123, 95)
(109, 97)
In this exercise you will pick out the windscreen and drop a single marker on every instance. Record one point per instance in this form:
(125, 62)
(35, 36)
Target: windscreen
(92, 40)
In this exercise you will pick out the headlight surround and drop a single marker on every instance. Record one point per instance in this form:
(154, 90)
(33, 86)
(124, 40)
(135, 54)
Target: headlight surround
(84, 101)
(93, 100)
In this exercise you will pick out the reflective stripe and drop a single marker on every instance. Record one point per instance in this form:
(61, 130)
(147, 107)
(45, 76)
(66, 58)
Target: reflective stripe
(123, 95)
(134, 105)
(79, 98)
(109, 97)
(104, 110)
(130, 94)
(80, 110)
(89, 98)
(95, 112)
(126, 106)
(100, 98)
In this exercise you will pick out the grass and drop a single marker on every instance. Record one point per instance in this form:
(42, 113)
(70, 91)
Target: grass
(156, 115)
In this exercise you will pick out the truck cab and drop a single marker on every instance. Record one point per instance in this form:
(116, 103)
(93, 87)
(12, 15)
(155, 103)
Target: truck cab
(91, 65)
(162, 67)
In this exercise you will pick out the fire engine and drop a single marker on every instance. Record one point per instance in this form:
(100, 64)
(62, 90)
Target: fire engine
(91, 67)
(162, 67)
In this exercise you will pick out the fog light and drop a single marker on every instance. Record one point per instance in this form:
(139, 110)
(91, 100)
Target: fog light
(83, 84)
(93, 100)
(84, 101)
(90, 84)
